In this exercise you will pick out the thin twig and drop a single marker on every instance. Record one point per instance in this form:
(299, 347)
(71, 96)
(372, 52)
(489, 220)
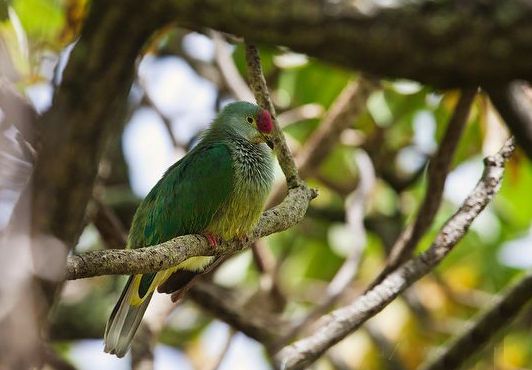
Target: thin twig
(437, 173)
(297, 114)
(341, 322)
(260, 90)
(498, 316)
(269, 281)
(386, 348)
(167, 123)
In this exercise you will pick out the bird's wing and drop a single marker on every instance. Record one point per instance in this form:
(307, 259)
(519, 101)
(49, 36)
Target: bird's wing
(183, 202)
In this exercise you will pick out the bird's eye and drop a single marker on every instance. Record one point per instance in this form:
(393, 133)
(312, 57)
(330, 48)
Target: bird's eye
(250, 120)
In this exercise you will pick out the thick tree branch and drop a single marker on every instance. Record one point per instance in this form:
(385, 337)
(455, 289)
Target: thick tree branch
(437, 173)
(341, 322)
(443, 43)
(500, 314)
(515, 108)
(87, 109)
(175, 251)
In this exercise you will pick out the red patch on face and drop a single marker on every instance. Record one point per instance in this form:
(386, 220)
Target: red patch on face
(264, 121)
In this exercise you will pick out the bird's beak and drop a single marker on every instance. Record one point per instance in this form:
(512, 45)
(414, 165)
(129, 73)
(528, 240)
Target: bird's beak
(264, 138)
(269, 142)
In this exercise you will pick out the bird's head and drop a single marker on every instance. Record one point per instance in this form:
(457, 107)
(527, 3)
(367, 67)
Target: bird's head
(249, 121)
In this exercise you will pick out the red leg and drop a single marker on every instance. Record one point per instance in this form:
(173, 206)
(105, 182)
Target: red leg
(213, 242)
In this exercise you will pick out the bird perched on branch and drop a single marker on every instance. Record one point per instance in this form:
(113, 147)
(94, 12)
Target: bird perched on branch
(218, 189)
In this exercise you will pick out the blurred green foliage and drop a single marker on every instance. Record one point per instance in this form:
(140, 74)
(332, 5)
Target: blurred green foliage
(307, 260)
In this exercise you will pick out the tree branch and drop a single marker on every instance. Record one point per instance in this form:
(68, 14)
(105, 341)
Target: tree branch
(260, 90)
(440, 43)
(109, 226)
(88, 108)
(341, 322)
(500, 314)
(175, 251)
(437, 173)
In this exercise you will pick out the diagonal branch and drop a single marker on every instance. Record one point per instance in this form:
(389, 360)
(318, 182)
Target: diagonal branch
(437, 173)
(501, 312)
(341, 322)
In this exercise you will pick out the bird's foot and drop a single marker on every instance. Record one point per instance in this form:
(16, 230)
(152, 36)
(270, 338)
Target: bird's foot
(213, 241)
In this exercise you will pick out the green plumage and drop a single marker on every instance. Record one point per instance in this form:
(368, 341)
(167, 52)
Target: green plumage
(217, 189)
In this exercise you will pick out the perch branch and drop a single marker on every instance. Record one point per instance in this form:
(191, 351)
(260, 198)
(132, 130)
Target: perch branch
(343, 321)
(175, 251)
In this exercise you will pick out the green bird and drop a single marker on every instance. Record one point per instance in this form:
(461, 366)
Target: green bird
(218, 189)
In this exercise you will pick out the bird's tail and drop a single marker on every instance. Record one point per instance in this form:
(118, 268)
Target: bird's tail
(125, 319)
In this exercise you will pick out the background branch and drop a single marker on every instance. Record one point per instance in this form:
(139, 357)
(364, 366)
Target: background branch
(437, 172)
(343, 321)
(230, 73)
(500, 314)
(355, 211)
(349, 104)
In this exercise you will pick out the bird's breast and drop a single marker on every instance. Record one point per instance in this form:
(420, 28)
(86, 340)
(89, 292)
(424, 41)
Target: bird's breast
(253, 177)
